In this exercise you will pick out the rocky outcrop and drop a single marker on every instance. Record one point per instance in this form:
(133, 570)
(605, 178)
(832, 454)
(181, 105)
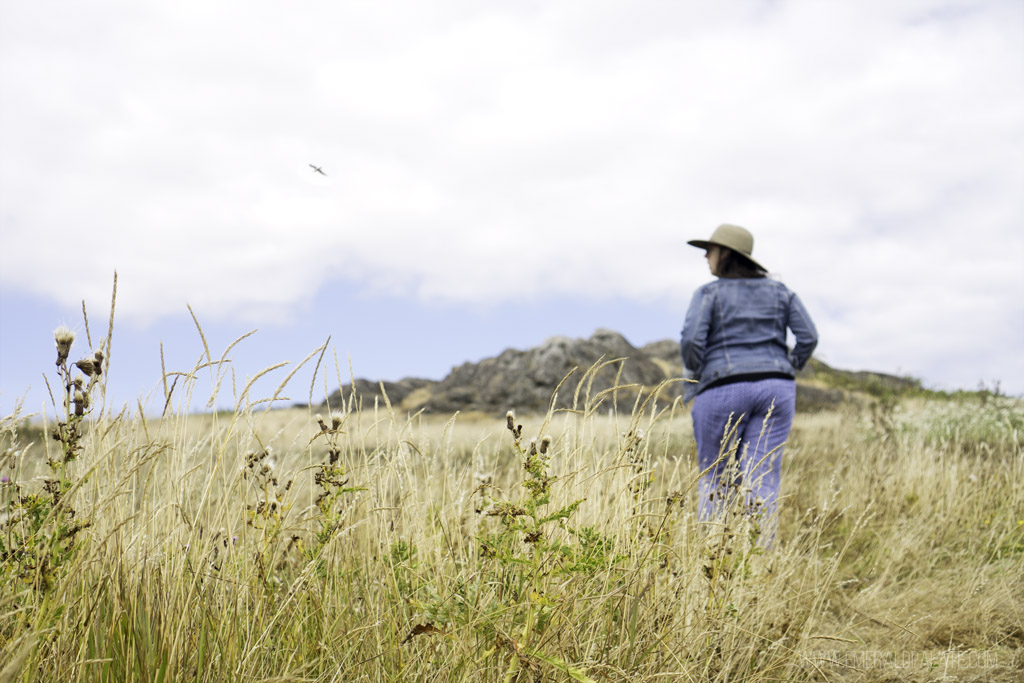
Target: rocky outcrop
(367, 392)
(527, 380)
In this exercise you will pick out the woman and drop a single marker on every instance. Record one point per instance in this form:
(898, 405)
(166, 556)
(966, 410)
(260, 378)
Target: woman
(734, 346)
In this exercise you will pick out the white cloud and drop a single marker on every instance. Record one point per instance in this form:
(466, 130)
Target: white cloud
(478, 153)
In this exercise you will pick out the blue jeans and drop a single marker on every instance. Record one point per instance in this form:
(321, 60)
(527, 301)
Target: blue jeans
(746, 457)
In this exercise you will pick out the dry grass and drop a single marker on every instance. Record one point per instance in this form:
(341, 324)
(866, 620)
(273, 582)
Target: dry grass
(899, 556)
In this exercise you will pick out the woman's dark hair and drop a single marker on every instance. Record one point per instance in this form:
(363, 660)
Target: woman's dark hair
(735, 265)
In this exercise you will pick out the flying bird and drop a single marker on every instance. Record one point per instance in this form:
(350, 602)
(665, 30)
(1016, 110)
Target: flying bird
(317, 169)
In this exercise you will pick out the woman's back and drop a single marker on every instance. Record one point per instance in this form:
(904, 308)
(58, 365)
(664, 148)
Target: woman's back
(749, 314)
(737, 326)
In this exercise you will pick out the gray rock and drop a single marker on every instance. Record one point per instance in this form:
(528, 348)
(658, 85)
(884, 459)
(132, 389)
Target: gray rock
(366, 392)
(526, 380)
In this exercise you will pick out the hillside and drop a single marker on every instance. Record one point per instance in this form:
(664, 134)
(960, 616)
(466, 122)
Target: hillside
(526, 379)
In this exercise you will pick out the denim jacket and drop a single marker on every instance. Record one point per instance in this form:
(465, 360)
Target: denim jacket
(738, 327)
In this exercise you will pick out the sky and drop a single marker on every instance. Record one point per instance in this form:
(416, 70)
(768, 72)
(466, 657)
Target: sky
(496, 174)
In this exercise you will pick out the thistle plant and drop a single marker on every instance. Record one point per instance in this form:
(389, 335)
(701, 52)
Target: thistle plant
(40, 528)
(76, 396)
(528, 562)
(525, 523)
(333, 482)
(267, 511)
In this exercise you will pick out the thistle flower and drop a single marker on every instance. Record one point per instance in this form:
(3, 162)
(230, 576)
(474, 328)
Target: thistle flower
(545, 444)
(81, 402)
(87, 366)
(64, 338)
(510, 420)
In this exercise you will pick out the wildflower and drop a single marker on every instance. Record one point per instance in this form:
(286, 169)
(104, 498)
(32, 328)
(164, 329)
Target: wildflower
(5, 479)
(545, 444)
(87, 366)
(64, 339)
(510, 420)
(81, 402)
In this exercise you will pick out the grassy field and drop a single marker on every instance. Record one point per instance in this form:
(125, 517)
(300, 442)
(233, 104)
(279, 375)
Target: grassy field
(364, 545)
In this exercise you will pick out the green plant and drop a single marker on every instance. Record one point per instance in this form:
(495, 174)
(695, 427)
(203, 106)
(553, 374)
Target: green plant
(41, 527)
(528, 559)
(334, 485)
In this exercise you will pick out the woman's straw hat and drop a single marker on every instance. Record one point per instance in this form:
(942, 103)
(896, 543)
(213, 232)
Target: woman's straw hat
(731, 237)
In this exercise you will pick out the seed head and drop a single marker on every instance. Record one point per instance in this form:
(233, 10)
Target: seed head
(545, 444)
(336, 422)
(81, 402)
(64, 338)
(87, 366)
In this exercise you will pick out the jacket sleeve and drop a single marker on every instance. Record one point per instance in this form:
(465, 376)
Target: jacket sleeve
(803, 330)
(695, 332)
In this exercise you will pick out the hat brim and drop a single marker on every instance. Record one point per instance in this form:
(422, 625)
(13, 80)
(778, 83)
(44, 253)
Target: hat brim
(705, 244)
